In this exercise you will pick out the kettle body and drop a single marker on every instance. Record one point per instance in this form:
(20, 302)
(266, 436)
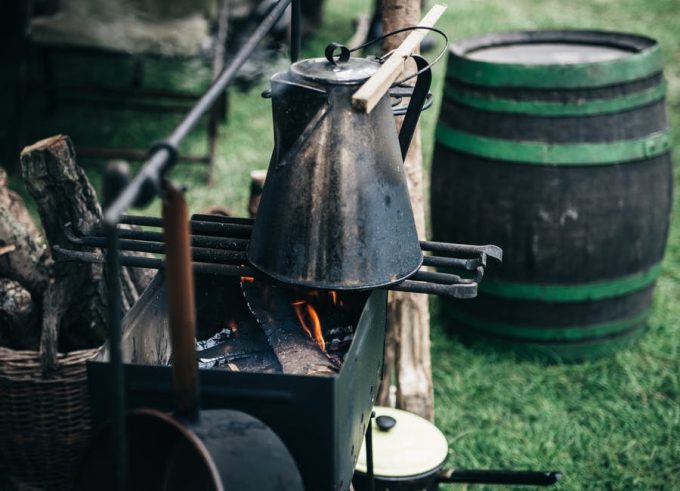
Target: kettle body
(335, 211)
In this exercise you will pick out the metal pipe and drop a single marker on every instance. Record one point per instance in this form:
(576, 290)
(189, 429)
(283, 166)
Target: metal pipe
(113, 293)
(451, 262)
(369, 453)
(526, 478)
(490, 250)
(157, 222)
(295, 31)
(133, 261)
(442, 278)
(147, 182)
(210, 255)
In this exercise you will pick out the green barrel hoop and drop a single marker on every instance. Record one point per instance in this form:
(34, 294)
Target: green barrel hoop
(569, 293)
(487, 102)
(548, 333)
(542, 153)
(644, 61)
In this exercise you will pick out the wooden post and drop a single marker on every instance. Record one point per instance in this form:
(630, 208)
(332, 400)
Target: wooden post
(407, 346)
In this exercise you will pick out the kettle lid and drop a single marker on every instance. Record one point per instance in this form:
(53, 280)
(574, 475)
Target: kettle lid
(335, 70)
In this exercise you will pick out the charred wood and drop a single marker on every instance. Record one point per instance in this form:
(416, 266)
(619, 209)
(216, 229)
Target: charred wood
(296, 352)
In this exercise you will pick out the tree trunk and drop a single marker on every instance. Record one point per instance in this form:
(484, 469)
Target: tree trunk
(408, 321)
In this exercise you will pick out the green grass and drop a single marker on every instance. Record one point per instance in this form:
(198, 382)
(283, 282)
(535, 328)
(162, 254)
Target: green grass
(609, 424)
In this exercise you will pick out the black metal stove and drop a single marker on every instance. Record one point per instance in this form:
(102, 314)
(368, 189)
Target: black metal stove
(321, 419)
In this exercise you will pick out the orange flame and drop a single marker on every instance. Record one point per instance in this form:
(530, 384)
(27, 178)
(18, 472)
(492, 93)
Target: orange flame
(315, 331)
(247, 279)
(297, 306)
(316, 327)
(334, 297)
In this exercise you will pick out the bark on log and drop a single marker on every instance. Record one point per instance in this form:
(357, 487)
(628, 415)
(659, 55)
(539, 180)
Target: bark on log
(63, 194)
(19, 317)
(408, 325)
(297, 353)
(25, 257)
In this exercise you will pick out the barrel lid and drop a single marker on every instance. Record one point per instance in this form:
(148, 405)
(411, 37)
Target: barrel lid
(351, 72)
(554, 59)
(407, 445)
(548, 53)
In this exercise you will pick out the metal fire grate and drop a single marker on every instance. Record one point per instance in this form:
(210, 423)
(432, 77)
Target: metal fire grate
(219, 247)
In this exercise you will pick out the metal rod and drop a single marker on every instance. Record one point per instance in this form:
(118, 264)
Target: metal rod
(113, 292)
(369, 453)
(197, 253)
(444, 247)
(442, 278)
(197, 217)
(295, 31)
(162, 158)
(527, 478)
(466, 290)
(451, 262)
(133, 261)
(130, 154)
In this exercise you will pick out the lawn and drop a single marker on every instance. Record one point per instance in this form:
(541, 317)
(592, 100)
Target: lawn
(608, 424)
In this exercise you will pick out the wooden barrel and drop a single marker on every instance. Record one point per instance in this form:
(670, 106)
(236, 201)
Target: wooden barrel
(554, 145)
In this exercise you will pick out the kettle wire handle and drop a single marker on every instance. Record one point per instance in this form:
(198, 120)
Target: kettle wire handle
(381, 59)
(415, 105)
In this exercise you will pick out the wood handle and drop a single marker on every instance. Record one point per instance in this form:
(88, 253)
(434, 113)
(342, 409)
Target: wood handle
(368, 95)
(181, 303)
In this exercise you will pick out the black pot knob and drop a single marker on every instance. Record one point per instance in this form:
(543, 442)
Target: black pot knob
(385, 423)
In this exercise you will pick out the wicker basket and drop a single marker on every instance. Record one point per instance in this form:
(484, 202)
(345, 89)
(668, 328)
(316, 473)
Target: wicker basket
(44, 422)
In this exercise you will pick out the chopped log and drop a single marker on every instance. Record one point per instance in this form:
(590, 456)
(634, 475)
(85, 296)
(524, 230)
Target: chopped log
(63, 194)
(19, 317)
(297, 353)
(17, 207)
(408, 324)
(25, 257)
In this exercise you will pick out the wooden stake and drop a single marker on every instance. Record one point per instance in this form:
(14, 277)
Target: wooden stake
(407, 345)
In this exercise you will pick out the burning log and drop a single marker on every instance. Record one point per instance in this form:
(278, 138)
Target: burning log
(295, 350)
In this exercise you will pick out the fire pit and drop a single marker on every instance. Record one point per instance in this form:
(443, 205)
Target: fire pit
(321, 418)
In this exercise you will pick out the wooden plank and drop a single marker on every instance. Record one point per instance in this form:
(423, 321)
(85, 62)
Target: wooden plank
(368, 95)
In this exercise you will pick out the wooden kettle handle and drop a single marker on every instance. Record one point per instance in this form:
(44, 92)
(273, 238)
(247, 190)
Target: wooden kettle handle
(370, 93)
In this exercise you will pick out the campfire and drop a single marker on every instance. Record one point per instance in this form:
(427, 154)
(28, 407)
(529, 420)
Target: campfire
(258, 352)
(286, 330)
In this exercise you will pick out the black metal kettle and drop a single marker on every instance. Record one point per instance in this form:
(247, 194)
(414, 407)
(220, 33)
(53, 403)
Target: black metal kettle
(335, 211)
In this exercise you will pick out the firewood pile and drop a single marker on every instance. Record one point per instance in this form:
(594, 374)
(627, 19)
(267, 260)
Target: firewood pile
(59, 304)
